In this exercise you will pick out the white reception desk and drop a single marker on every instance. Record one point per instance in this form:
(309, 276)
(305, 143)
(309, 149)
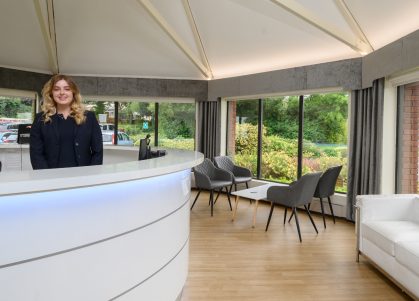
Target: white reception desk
(119, 231)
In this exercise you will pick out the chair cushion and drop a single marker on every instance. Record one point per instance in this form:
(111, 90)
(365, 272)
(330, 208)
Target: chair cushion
(385, 234)
(219, 184)
(241, 179)
(407, 253)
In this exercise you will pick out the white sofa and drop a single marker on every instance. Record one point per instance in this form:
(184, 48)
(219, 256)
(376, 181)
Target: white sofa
(388, 235)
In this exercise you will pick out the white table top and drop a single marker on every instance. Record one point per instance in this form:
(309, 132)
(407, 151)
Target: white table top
(256, 193)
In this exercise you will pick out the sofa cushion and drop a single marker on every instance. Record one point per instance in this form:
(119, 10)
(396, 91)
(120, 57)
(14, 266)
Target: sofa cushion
(386, 233)
(407, 253)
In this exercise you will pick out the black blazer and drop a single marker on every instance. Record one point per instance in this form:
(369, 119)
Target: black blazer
(45, 146)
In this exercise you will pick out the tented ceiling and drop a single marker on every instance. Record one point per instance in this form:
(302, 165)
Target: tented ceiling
(194, 39)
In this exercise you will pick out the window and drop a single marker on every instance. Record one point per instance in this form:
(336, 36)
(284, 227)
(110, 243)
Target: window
(242, 133)
(176, 125)
(323, 143)
(325, 134)
(14, 111)
(280, 139)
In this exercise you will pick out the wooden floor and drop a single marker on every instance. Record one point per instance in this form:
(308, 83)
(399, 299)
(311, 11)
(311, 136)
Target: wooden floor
(233, 261)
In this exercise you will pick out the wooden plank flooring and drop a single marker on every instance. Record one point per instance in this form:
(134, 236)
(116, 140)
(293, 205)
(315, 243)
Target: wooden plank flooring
(233, 261)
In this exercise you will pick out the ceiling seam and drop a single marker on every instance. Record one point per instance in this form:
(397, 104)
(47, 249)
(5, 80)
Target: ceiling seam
(301, 12)
(153, 12)
(47, 38)
(52, 32)
(352, 22)
(197, 36)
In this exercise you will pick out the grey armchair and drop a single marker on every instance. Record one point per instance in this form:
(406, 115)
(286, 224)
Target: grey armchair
(209, 177)
(299, 193)
(240, 174)
(326, 188)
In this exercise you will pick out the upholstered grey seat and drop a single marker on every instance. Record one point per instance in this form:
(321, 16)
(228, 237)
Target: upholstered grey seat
(326, 188)
(299, 193)
(209, 177)
(240, 174)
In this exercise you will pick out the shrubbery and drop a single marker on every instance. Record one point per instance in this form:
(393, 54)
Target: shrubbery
(279, 156)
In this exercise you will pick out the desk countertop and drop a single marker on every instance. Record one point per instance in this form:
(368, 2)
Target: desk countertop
(132, 169)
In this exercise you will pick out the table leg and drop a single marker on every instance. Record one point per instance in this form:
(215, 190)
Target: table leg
(254, 213)
(235, 207)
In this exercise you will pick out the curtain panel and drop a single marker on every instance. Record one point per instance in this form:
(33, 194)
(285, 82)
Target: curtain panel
(365, 143)
(209, 127)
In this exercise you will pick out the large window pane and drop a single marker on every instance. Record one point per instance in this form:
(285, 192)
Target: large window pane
(136, 121)
(14, 111)
(325, 134)
(177, 125)
(280, 139)
(243, 133)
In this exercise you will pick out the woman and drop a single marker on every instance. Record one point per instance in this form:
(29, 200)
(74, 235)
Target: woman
(64, 134)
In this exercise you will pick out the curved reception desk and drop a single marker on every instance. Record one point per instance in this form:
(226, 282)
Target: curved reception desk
(119, 231)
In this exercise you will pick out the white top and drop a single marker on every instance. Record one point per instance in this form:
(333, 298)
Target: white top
(132, 169)
(256, 193)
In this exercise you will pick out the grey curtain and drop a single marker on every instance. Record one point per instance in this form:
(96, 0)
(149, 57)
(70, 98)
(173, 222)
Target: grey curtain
(365, 143)
(209, 128)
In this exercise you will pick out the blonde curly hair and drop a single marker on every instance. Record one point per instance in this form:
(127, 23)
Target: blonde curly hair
(49, 106)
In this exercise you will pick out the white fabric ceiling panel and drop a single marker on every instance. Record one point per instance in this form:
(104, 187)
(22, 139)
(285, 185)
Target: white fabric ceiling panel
(115, 38)
(385, 21)
(22, 43)
(249, 37)
(121, 38)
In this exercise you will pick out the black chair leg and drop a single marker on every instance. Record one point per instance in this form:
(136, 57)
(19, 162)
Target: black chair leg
(193, 204)
(228, 196)
(331, 209)
(218, 194)
(285, 215)
(294, 211)
(235, 187)
(247, 185)
(270, 215)
(311, 219)
(321, 206)
(212, 201)
(291, 216)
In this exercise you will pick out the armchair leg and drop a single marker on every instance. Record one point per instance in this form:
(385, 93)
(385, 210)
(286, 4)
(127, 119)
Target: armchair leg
(294, 211)
(331, 209)
(228, 197)
(291, 216)
(247, 185)
(321, 206)
(218, 194)
(212, 201)
(270, 215)
(311, 219)
(199, 192)
(285, 214)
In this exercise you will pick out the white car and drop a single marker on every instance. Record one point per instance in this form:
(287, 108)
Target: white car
(108, 137)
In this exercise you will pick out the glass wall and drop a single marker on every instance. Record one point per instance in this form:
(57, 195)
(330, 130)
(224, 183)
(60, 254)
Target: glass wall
(136, 120)
(242, 143)
(176, 127)
(280, 139)
(14, 111)
(324, 141)
(326, 134)
(174, 124)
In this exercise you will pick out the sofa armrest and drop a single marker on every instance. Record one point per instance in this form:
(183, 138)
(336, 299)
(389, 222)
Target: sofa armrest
(386, 207)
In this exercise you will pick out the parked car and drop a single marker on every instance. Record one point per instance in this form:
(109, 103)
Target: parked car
(123, 138)
(107, 126)
(4, 135)
(12, 138)
(9, 127)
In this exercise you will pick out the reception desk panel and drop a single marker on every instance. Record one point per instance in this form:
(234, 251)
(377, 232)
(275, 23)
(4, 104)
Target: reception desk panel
(119, 231)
